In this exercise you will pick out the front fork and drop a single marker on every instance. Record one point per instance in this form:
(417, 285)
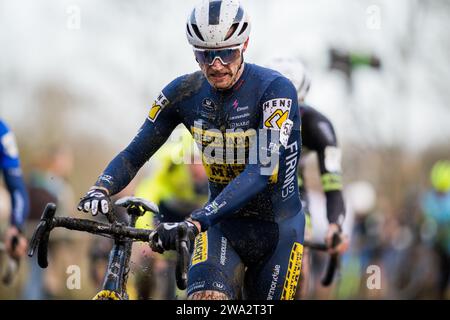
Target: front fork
(115, 281)
(117, 272)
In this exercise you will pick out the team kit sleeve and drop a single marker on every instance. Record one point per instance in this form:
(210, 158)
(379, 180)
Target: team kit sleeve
(329, 157)
(13, 177)
(255, 177)
(161, 121)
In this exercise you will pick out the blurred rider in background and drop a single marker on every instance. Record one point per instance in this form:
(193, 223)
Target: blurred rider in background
(436, 208)
(318, 135)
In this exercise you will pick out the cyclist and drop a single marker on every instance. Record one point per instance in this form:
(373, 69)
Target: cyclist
(436, 208)
(15, 242)
(318, 135)
(245, 121)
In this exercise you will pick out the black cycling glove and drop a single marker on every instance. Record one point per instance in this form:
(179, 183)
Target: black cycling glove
(165, 236)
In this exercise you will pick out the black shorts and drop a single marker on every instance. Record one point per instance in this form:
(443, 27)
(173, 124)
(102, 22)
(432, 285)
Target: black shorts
(246, 258)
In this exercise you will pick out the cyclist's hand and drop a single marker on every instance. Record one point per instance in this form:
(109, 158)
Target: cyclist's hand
(165, 236)
(15, 243)
(343, 239)
(96, 200)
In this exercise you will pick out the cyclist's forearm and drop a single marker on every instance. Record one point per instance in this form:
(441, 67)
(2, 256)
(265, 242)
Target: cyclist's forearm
(335, 207)
(124, 167)
(118, 174)
(331, 177)
(19, 196)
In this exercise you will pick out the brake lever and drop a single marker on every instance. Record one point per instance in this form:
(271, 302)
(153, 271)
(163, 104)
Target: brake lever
(182, 257)
(333, 262)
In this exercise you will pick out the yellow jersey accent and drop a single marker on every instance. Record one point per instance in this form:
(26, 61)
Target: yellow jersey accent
(293, 272)
(154, 111)
(282, 116)
(200, 249)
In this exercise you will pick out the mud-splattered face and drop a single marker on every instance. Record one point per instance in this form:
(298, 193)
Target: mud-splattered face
(224, 76)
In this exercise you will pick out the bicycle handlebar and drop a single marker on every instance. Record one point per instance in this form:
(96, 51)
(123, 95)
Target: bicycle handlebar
(41, 235)
(182, 257)
(48, 222)
(333, 262)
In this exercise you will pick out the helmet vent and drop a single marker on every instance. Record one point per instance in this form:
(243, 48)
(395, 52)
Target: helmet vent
(197, 32)
(187, 29)
(232, 31)
(243, 28)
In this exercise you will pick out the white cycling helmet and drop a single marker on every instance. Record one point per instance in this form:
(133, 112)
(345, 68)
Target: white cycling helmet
(210, 22)
(294, 70)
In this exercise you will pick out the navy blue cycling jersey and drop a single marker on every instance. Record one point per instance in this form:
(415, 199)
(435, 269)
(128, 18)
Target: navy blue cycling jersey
(249, 137)
(10, 165)
(250, 141)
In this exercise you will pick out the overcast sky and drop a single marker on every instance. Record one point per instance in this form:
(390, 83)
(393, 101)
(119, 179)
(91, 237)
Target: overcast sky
(112, 57)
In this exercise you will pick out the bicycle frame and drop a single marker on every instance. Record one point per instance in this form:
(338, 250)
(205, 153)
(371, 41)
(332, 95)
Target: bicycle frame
(114, 283)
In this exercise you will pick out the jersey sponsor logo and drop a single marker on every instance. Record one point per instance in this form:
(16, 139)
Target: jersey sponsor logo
(224, 154)
(291, 166)
(274, 148)
(209, 109)
(239, 109)
(286, 130)
(209, 105)
(10, 145)
(200, 249)
(223, 173)
(240, 116)
(239, 124)
(218, 285)
(105, 178)
(214, 207)
(215, 138)
(276, 112)
(223, 251)
(293, 272)
(160, 103)
(196, 286)
(274, 283)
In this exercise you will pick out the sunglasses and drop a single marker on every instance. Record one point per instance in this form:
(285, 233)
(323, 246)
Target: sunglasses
(225, 56)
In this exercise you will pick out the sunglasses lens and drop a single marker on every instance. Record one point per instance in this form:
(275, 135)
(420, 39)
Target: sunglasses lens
(208, 56)
(201, 57)
(229, 55)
